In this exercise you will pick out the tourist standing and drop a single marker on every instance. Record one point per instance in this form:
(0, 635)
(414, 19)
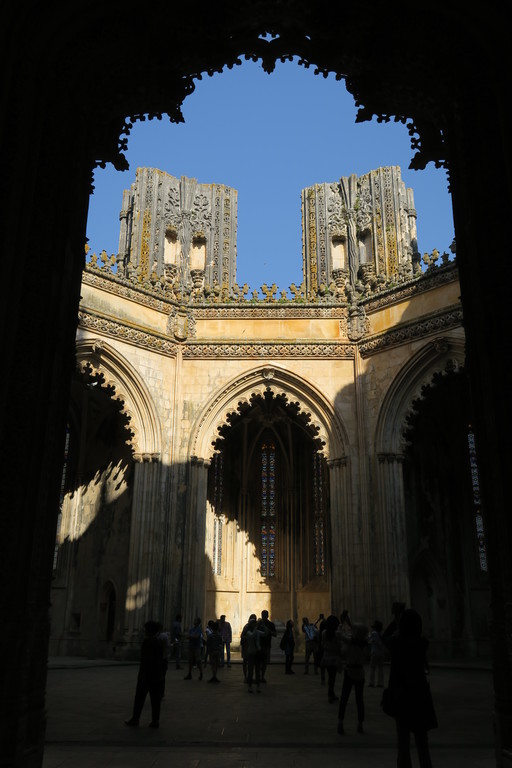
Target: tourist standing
(288, 646)
(354, 654)
(195, 645)
(243, 647)
(255, 635)
(176, 632)
(331, 654)
(227, 638)
(214, 650)
(408, 698)
(311, 642)
(266, 643)
(321, 624)
(377, 653)
(164, 638)
(149, 679)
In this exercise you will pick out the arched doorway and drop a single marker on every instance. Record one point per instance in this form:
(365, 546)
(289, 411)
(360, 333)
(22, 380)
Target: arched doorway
(267, 432)
(446, 539)
(268, 514)
(92, 544)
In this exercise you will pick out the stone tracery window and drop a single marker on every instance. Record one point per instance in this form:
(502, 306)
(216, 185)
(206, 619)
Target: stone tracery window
(218, 493)
(268, 510)
(318, 515)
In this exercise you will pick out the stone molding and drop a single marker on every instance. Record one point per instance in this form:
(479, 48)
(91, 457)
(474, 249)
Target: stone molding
(116, 329)
(442, 320)
(434, 277)
(119, 286)
(434, 323)
(279, 349)
(289, 311)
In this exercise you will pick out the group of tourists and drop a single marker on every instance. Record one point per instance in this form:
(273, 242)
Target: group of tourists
(336, 645)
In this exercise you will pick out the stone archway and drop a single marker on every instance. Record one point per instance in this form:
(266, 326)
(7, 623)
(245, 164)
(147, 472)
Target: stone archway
(107, 508)
(409, 511)
(102, 359)
(268, 408)
(446, 538)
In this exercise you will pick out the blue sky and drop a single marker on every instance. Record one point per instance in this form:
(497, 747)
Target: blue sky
(269, 136)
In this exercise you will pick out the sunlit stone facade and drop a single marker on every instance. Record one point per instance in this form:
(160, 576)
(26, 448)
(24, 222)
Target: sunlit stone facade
(231, 451)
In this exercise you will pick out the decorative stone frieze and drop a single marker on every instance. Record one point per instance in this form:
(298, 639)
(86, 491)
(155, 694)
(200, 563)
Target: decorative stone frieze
(274, 350)
(438, 321)
(119, 330)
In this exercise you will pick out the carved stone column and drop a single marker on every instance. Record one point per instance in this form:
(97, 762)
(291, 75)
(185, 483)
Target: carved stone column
(392, 535)
(144, 577)
(195, 554)
(342, 540)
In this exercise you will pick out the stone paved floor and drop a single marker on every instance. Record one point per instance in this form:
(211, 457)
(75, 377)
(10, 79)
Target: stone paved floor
(290, 724)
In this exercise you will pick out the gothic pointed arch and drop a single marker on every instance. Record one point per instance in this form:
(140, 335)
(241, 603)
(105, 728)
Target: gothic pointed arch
(100, 357)
(319, 412)
(441, 354)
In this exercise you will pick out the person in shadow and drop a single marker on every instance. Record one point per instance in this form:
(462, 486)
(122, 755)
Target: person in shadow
(408, 698)
(311, 643)
(255, 651)
(176, 640)
(214, 649)
(243, 647)
(150, 676)
(377, 653)
(195, 647)
(354, 653)
(321, 623)
(331, 654)
(266, 644)
(288, 646)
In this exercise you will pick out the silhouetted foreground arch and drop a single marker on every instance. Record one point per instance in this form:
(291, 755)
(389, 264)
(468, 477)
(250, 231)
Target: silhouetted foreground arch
(71, 74)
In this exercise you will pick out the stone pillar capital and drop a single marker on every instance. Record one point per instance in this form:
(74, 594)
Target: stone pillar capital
(146, 458)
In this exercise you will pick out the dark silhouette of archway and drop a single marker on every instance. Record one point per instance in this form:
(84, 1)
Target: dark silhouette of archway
(446, 69)
(269, 477)
(449, 580)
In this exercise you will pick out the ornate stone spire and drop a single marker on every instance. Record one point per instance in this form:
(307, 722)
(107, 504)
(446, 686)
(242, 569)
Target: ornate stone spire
(359, 233)
(180, 231)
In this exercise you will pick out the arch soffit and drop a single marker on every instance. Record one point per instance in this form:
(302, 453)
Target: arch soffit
(240, 390)
(130, 389)
(438, 355)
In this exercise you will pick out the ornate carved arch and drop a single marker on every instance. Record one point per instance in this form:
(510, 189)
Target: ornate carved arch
(322, 415)
(99, 357)
(267, 32)
(442, 354)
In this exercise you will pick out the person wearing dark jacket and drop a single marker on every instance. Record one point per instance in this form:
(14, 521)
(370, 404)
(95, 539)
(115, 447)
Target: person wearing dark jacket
(354, 650)
(408, 689)
(150, 676)
(288, 646)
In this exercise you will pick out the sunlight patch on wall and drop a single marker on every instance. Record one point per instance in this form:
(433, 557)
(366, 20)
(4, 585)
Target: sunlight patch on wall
(137, 594)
